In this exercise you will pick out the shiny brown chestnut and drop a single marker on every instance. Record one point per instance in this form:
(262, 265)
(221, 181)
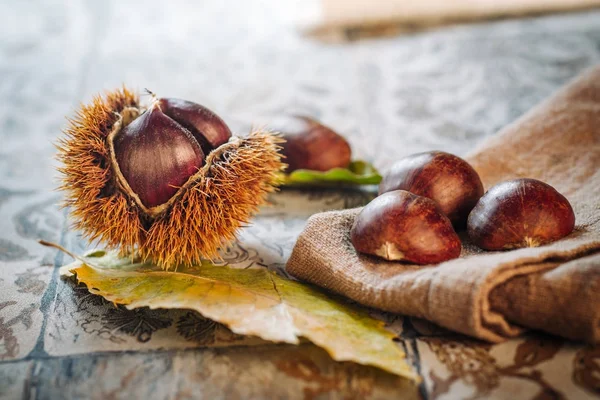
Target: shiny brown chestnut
(400, 225)
(312, 145)
(163, 147)
(445, 178)
(207, 127)
(156, 156)
(520, 213)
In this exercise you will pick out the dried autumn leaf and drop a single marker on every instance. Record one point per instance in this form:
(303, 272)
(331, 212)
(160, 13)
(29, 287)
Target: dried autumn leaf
(250, 302)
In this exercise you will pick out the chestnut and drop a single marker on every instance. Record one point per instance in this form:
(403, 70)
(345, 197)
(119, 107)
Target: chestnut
(520, 213)
(156, 156)
(312, 145)
(445, 178)
(162, 148)
(400, 225)
(207, 127)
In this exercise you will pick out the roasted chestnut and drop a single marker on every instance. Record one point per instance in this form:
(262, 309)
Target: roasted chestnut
(445, 178)
(520, 213)
(312, 145)
(400, 225)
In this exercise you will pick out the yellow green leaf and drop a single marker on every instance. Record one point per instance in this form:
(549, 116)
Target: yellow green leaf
(357, 173)
(250, 302)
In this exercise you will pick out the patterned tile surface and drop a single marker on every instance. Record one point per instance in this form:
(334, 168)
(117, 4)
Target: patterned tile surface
(444, 89)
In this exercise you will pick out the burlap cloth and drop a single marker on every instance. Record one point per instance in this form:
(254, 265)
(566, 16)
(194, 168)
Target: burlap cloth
(492, 295)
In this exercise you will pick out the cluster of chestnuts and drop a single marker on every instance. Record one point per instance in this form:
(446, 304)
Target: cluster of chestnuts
(425, 198)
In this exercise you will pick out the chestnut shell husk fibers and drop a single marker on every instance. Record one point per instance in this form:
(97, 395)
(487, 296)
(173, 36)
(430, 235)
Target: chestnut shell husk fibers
(520, 213)
(206, 194)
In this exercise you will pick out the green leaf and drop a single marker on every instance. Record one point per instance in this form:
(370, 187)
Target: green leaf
(250, 302)
(357, 173)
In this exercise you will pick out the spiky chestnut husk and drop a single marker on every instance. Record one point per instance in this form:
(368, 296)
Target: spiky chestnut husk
(204, 214)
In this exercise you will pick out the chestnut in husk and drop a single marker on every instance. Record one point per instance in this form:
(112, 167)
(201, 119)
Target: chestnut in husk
(167, 181)
(520, 213)
(400, 225)
(445, 178)
(312, 145)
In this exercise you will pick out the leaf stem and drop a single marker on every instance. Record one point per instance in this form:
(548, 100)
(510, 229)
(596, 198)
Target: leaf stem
(58, 247)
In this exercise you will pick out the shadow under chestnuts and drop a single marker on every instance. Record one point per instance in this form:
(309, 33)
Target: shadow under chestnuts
(425, 197)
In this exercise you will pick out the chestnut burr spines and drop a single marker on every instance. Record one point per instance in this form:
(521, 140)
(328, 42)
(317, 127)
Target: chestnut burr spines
(399, 225)
(520, 213)
(156, 156)
(207, 127)
(445, 178)
(312, 145)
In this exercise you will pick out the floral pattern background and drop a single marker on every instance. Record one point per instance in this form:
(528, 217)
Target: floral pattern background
(447, 89)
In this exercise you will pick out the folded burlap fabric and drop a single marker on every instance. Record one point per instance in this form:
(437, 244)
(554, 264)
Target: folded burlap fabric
(492, 295)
